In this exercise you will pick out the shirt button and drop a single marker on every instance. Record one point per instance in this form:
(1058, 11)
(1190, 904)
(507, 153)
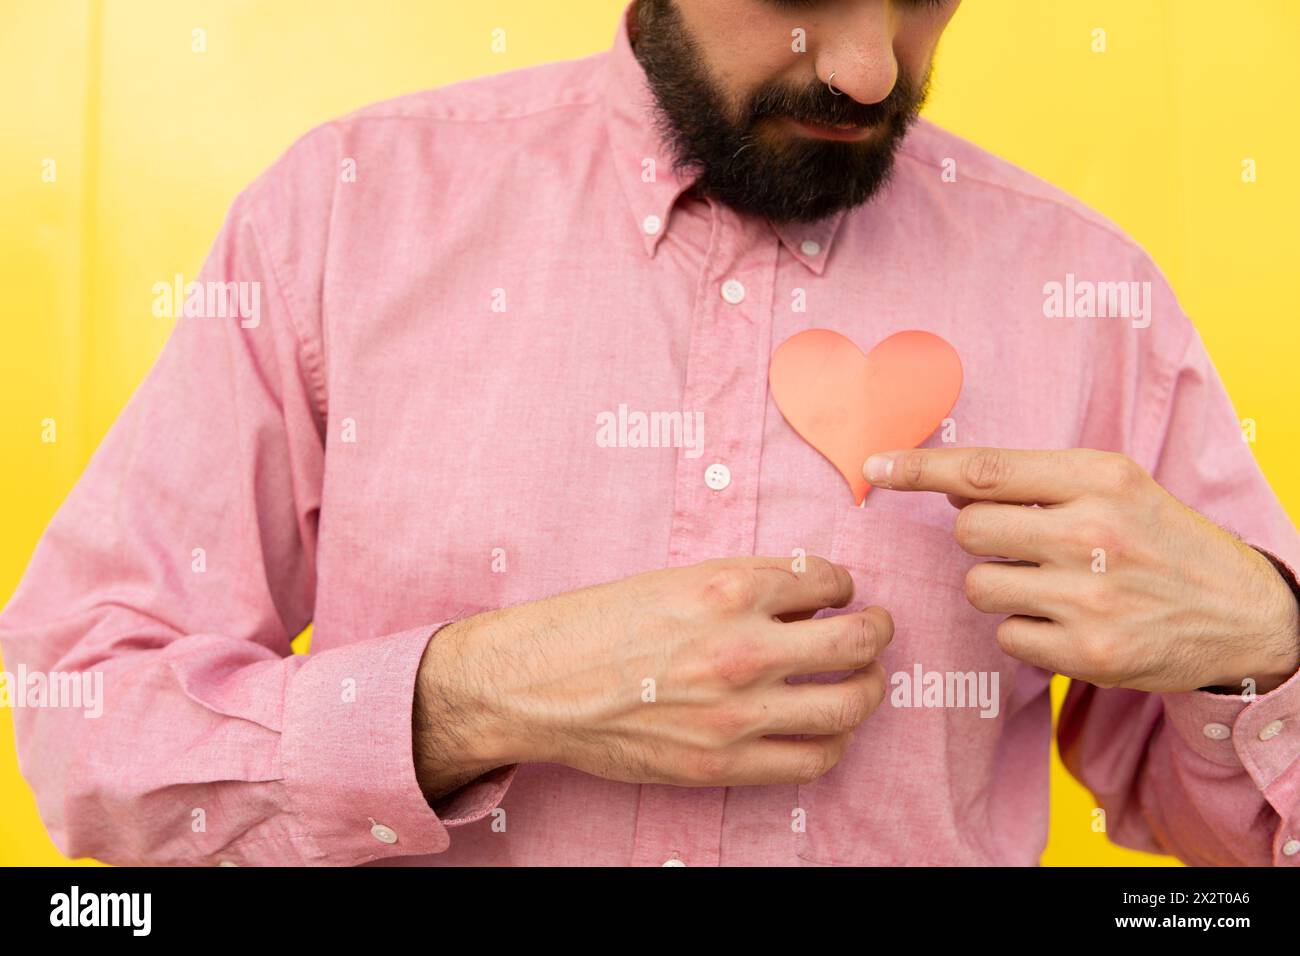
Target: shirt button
(676, 862)
(383, 834)
(733, 292)
(717, 477)
(810, 248)
(1216, 731)
(652, 225)
(1271, 730)
(1289, 848)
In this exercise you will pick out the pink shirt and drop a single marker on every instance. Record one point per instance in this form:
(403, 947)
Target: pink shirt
(453, 287)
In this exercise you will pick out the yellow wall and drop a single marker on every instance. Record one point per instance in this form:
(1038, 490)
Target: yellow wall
(153, 140)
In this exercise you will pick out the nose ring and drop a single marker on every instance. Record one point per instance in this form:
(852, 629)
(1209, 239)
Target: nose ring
(831, 83)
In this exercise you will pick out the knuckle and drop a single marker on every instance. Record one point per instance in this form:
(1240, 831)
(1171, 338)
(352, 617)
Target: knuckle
(707, 767)
(969, 526)
(858, 638)
(1092, 596)
(730, 590)
(1120, 475)
(879, 684)
(884, 625)
(981, 591)
(814, 764)
(1099, 655)
(909, 470)
(853, 710)
(1085, 534)
(730, 722)
(1006, 637)
(1109, 539)
(1098, 532)
(821, 577)
(987, 469)
(824, 717)
(739, 663)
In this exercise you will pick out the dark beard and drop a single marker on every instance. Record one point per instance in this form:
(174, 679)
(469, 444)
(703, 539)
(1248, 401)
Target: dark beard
(801, 180)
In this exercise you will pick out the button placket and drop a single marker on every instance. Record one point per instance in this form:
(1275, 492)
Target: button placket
(715, 498)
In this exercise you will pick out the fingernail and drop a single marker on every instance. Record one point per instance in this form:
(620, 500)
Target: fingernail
(878, 469)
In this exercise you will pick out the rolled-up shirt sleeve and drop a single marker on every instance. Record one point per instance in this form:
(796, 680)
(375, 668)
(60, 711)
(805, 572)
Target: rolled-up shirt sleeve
(176, 574)
(1213, 778)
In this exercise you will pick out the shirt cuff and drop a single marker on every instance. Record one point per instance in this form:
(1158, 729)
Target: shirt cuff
(347, 755)
(1260, 734)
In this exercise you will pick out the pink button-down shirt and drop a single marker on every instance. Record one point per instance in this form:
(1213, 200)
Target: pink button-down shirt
(455, 289)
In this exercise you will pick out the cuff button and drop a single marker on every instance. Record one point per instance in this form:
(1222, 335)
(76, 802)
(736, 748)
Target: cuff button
(1270, 730)
(1216, 731)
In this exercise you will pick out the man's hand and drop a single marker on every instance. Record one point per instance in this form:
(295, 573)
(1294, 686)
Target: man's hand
(674, 676)
(1115, 582)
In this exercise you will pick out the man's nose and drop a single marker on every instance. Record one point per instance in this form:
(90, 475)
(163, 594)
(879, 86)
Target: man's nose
(855, 52)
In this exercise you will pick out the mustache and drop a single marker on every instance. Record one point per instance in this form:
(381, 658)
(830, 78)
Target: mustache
(817, 104)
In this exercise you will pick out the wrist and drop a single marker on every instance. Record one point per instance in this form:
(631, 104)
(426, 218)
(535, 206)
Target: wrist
(1276, 656)
(1286, 661)
(457, 735)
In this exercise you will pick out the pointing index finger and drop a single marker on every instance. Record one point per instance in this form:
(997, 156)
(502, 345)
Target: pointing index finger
(982, 474)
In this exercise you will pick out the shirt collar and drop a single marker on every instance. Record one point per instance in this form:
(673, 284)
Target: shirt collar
(810, 242)
(645, 168)
(644, 163)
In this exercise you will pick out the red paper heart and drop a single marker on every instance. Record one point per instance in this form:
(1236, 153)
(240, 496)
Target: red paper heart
(848, 405)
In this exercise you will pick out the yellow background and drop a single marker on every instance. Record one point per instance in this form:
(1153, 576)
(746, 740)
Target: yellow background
(152, 141)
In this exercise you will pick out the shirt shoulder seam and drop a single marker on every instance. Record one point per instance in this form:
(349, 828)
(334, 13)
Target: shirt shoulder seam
(363, 115)
(1099, 224)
